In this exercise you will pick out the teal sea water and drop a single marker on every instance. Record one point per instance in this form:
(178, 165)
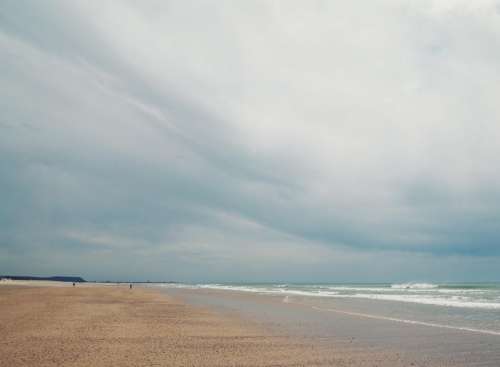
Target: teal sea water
(465, 295)
(473, 307)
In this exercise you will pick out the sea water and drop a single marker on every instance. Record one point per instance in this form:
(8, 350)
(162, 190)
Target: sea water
(469, 307)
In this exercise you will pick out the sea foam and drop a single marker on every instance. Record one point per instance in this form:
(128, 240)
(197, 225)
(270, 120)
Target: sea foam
(485, 298)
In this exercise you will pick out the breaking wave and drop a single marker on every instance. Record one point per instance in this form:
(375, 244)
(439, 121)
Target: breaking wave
(414, 286)
(486, 297)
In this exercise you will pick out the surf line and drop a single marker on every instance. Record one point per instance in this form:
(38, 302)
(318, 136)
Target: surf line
(403, 321)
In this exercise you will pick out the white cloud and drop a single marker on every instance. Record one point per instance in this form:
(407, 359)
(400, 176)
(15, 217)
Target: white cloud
(334, 127)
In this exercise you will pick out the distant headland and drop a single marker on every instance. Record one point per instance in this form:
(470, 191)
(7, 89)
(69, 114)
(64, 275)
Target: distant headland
(57, 278)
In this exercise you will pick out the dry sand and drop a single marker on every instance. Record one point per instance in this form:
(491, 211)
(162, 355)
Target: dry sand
(116, 326)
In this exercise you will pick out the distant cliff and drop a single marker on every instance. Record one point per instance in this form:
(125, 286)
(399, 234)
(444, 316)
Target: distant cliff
(55, 278)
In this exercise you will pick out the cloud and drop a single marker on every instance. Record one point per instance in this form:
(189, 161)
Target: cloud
(182, 140)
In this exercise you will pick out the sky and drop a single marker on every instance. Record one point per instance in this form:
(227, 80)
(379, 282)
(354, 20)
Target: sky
(211, 141)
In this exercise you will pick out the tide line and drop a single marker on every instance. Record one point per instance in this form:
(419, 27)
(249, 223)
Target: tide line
(411, 322)
(403, 321)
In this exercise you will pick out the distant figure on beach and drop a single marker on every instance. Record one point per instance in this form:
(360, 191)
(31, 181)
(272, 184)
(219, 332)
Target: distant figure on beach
(130, 286)
(73, 284)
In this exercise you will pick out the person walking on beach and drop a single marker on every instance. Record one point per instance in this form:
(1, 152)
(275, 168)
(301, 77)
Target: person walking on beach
(130, 286)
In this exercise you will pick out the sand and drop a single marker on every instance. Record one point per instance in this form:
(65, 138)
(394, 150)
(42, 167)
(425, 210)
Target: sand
(353, 339)
(115, 326)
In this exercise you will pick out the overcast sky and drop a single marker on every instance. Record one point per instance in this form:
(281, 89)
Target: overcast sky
(251, 140)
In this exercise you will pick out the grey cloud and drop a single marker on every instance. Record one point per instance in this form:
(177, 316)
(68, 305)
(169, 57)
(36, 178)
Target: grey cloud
(127, 129)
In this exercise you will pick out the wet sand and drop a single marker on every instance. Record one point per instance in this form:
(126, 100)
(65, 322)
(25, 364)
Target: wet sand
(115, 326)
(352, 327)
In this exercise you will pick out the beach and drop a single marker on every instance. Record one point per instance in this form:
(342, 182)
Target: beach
(363, 331)
(117, 326)
(112, 325)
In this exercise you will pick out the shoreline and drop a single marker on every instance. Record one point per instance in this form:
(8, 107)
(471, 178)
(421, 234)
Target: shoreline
(358, 324)
(115, 326)
(106, 325)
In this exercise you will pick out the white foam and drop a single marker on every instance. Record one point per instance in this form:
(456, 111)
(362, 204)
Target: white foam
(455, 301)
(420, 293)
(414, 286)
(271, 290)
(405, 321)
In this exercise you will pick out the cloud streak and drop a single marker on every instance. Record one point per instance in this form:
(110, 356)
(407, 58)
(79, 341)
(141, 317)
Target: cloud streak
(224, 140)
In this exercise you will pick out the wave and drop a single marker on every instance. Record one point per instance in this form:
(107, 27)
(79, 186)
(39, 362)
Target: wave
(270, 290)
(414, 286)
(461, 302)
(419, 293)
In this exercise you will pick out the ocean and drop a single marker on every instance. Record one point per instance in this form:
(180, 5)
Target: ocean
(470, 307)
